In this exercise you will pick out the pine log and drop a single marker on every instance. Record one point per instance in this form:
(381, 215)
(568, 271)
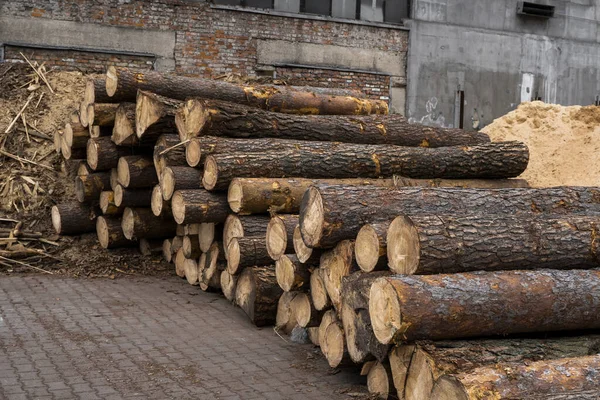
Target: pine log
(207, 233)
(191, 229)
(110, 234)
(344, 160)
(462, 183)
(71, 153)
(123, 133)
(400, 358)
(569, 378)
(89, 187)
(215, 265)
(353, 330)
(167, 251)
(176, 244)
(370, 249)
(380, 382)
(103, 154)
(281, 195)
(107, 204)
(330, 214)
(356, 288)
(257, 293)
(102, 114)
(159, 206)
(179, 261)
(191, 246)
(141, 223)
(150, 247)
(245, 252)
(318, 292)
(279, 236)
(228, 285)
(334, 345)
(199, 205)
(334, 269)
(476, 304)
(193, 153)
(132, 197)
(154, 115)
(73, 218)
(114, 179)
(190, 268)
(75, 135)
(179, 178)
(434, 244)
(285, 320)
(237, 226)
(304, 253)
(136, 172)
(124, 84)
(239, 121)
(437, 363)
(100, 131)
(168, 153)
(95, 92)
(70, 168)
(306, 314)
(292, 274)
(329, 317)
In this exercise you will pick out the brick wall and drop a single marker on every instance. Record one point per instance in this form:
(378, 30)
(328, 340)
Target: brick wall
(213, 42)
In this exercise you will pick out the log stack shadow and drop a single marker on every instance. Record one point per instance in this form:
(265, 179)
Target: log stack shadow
(410, 250)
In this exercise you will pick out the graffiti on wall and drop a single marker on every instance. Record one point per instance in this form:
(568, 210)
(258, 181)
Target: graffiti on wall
(433, 116)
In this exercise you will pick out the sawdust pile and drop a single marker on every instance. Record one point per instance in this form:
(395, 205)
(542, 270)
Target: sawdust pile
(563, 142)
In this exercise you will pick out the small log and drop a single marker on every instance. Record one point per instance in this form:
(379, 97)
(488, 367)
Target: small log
(100, 131)
(150, 247)
(228, 285)
(292, 274)
(110, 234)
(73, 218)
(84, 169)
(168, 154)
(75, 135)
(330, 214)
(285, 320)
(380, 382)
(237, 226)
(370, 248)
(166, 250)
(95, 92)
(191, 246)
(245, 252)
(191, 229)
(306, 314)
(190, 270)
(491, 161)
(341, 264)
(356, 288)
(123, 84)
(72, 153)
(101, 114)
(207, 233)
(136, 172)
(193, 153)
(114, 179)
(154, 115)
(475, 304)
(198, 206)
(257, 293)
(180, 263)
(103, 154)
(280, 233)
(141, 223)
(89, 187)
(281, 195)
(333, 344)
(318, 292)
(176, 244)
(350, 324)
(159, 206)
(179, 178)
(107, 204)
(123, 133)
(132, 197)
(215, 265)
(70, 168)
(400, 358)
(329, 317)
(304, 253)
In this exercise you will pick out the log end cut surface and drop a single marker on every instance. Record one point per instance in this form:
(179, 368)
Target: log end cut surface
(276, 238)
(384, 310)
(211, 173)
(128, 223)
(311, 217)
(366, 248)
(378, 381)
(178, 207)
(235, 196)
(303, 252)
(448, 388)
(303, 309)
(111, 80)
(193, 153)
(103, 232)
(56, 220)
(284, 271)
(403, 246)
(233, 256)
(334, 339)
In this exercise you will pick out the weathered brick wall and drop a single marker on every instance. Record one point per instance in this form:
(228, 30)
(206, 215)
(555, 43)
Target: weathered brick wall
(213, 42)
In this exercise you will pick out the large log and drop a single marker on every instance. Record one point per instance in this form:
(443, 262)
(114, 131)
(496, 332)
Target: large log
(123, 133)
(238, 226)
(440, 362)
(257, 293)
(199, 205)
(136, 172)
(89, 187)
(330, 214)
(110, 234)
(483, 304)
(245, 252)
(292, 274)
(154, 115)
(168, 153)
(281, 195)
(236, 120)
(73, 218)
(361, 343)
(370, 248)
(141, 223)
(101, 114)
(132, 197)
(279, 236)
(124, 84)
(103, 154)
(179, 178)
(434, 244)
(344, 160)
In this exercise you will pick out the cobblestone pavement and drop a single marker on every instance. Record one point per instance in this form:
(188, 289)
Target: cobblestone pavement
(147, 338)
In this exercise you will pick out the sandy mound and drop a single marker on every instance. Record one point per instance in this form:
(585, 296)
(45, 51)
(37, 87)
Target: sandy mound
(563, 142)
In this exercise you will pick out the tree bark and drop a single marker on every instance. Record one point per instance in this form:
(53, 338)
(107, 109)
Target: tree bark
(191, 246)
(174, 157)
(124, 126)
(95, 92)
(123, 84)
(132, 197)
(280, 235)
(136, 172)
(237, 226)
(343, 160)
(462, 183)
(281, 195)
(154, 115)
(361, 342)
(245, 252)
(103, 154)
(73, 218)
(285, 320)
(159, 206)
(110, 234)
(483, 304)
(330, 214)
(198, 206)
(371, 246)
(228, 285)
(292, 274)
(150, 247)
(239, 121)
(179, 178)
(356, 288)
(102, 114)
(75, 135)
(436, 244)
(257, 293)
(107, 204)
(89, 187)
(304, 253)
(141, 223)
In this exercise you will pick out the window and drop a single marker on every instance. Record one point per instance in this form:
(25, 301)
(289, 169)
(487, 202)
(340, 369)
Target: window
(316, 7)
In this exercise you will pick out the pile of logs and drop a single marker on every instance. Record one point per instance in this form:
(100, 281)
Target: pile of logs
(381, 242)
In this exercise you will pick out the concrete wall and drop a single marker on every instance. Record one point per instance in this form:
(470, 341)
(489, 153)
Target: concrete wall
(499, 58)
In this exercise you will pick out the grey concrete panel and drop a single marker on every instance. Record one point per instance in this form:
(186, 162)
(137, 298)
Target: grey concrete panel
(343, 8)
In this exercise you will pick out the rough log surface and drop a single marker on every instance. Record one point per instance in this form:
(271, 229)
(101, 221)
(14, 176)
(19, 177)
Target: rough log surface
(89, 187)
(73, 218)
(198, 206)
(245, 252)
(110, 234)
(257, 294)
(141, 223)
